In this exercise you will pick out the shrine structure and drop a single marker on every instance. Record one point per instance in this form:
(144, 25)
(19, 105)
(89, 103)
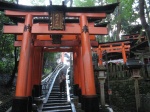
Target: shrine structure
(42, 29)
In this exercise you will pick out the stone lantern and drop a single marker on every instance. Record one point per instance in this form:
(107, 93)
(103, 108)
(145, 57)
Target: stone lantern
(101, 77)
(135, 65)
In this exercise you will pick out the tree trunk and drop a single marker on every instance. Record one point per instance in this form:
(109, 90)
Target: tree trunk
(143, 20)
(119, 22)
(111, 38)
(147, 12)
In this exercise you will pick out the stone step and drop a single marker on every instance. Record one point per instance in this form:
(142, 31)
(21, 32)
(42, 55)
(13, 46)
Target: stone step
(57, 101)
(57, 98)
(55, 93)
(55, 89)
(59, 107)
(54, 104)
(62, 110)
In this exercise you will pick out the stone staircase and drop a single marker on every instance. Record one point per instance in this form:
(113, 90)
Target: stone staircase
(56, 103)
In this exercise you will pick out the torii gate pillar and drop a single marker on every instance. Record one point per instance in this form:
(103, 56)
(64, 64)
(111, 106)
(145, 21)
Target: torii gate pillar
(30, 72)
(20, 102)
(124, 53)
(29, 80)
(75, 72)
(91, 103)
(37, 72)
(100, 56)
(80, 70)
(82, 76)
(81, 91)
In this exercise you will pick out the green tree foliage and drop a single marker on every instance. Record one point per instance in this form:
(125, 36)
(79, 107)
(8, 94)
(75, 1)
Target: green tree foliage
(42, 2)
(126, 8)
(57, 2)
(123, 15)
(144, 23)
(6, 48)
(84, 3)
(6, 55)
(49, 62)
(38, 2)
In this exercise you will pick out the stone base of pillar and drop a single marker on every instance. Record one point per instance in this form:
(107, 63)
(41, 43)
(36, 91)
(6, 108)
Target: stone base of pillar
(90, 103)
(20, 104)
(104, 109)
(82, 102)
(79, 94)
(30, 101)
(75, 89)
(37, 91)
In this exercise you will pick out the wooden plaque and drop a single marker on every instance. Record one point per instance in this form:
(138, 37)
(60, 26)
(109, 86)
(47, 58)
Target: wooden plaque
(57, 21)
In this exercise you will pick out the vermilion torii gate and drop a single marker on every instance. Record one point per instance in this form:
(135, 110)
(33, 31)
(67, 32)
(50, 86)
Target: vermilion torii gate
(112, 47)
(58, 20)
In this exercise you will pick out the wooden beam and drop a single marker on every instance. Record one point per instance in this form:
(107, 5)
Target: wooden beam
(118, 50)
(113, 49)
(98, 31)
(48, 37)
(43, 30)
(39, 43)
(22, 14)
(69, 30)
(94, 43)
(13, 29)
(114, 43)
(17, 43)
(64, 43)
(58, 50)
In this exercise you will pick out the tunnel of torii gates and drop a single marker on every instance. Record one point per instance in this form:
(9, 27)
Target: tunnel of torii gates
(74, 28)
